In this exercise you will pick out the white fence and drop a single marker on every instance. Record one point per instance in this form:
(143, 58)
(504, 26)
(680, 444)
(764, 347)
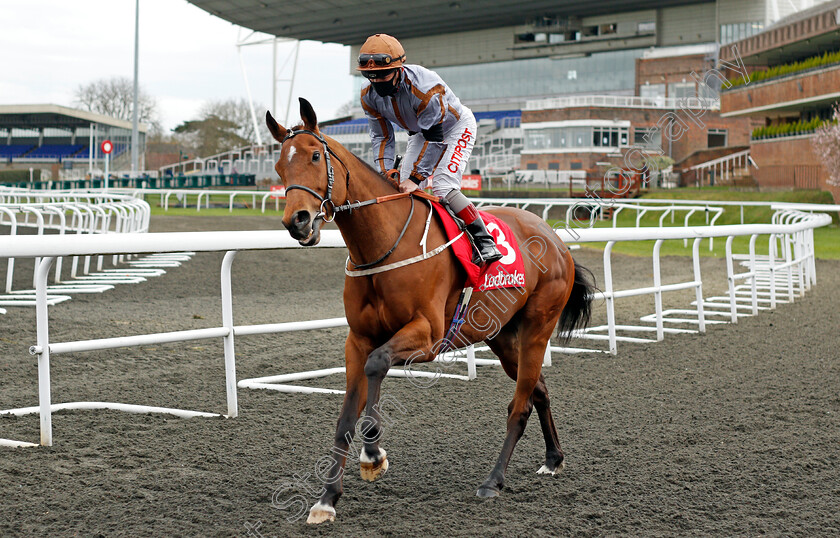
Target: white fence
(622, 101)
(68, 214)
(791, 274)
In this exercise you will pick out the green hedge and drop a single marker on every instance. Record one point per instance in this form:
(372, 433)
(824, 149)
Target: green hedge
(790, 129)
(786, 69)
(15, 176)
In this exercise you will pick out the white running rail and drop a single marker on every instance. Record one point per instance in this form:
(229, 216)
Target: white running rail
(794, 229)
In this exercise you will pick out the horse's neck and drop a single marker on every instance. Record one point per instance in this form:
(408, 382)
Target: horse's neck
(371, 230)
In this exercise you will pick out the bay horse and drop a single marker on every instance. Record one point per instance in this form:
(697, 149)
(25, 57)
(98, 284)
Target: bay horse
(400, 316)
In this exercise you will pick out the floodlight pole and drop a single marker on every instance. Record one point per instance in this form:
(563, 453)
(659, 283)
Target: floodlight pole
(292, 82)
(135, 135)
(274, 70)
(90, 150)
(250, 100)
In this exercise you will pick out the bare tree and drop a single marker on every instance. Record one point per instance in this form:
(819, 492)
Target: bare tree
(208, 136)
(114, 97)
(826, 143)
(238, 113)
(347, 108)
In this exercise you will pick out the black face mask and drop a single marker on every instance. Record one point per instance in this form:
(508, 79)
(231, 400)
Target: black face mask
(386, 88)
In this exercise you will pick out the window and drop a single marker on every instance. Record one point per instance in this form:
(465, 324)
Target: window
(739, 30)
(609, 137)
(682, 90)
(645, 27)
(531, 166)
(571, 74)
(608, 29)
(647, 138)
(51, 132)
(717, 138)
(652, 91)
(590, 31)
(580, 136)
(575, 165)
(554, 165)
(708, 93)
(565, 138)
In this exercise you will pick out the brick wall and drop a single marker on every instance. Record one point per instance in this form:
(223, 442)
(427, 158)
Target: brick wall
(802, 86)
(669, 70)
(570, 161)
(789, 163)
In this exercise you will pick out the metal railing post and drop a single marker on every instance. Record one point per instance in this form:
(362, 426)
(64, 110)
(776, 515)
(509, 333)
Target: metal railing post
(227, 322)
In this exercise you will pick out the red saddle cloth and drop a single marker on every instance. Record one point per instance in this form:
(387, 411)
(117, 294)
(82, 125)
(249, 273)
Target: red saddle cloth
(509, 272)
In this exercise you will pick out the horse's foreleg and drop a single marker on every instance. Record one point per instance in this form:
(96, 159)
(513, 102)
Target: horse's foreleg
(412, 340)
(324, 510)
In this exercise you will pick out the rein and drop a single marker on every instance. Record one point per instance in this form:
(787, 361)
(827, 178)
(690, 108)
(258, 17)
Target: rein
(347, 205)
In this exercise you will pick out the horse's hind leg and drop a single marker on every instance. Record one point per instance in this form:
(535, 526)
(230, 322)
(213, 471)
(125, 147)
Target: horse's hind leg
(506, 346)
(554, 458)
(527, 374)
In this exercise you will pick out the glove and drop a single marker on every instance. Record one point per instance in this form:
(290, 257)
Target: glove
(434, 133)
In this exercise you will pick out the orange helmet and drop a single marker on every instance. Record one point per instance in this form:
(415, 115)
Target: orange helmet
(379, 52)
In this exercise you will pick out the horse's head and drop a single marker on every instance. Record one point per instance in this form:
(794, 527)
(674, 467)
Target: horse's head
(305, 170)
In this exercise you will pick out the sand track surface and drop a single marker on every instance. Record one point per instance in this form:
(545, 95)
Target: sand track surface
(734, 432)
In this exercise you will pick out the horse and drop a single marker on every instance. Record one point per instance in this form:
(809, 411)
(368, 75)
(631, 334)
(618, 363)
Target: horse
(400, 316)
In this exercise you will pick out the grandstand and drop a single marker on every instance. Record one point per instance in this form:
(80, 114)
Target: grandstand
(556, 86)
(53, 138)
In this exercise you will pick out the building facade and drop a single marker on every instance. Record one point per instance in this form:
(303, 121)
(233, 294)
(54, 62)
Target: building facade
(795, 81)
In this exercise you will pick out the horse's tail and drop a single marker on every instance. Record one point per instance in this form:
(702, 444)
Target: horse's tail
(578, 308)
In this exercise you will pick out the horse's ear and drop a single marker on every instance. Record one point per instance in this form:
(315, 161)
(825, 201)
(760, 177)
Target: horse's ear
(307, 114)
(277, 130)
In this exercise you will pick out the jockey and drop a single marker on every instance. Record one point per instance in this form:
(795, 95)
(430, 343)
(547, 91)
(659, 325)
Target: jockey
(441, 132)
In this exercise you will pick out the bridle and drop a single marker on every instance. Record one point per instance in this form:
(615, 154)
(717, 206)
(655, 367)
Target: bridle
(327, 198)
(347, 205)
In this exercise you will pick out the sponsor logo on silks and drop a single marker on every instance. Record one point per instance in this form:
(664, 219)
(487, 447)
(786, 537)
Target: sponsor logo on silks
(457, 154)
(500, 280)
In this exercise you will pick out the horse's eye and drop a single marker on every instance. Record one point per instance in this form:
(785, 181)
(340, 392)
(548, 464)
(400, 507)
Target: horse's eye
(316, 156)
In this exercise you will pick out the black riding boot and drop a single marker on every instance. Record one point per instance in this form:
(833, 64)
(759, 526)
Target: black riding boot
(485, 246)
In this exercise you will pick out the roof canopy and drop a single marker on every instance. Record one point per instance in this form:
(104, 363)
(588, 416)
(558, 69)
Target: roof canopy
(41, 116)
(350, 22)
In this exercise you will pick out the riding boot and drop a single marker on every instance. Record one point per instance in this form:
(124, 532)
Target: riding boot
(484, 250)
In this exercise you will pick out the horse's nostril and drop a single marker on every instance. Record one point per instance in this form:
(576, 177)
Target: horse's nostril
(301, 218)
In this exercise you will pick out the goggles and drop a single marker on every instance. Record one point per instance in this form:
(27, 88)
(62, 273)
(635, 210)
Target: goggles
(383, 73)
(378, 60)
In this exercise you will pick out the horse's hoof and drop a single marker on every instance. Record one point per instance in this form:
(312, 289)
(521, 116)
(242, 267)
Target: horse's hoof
(553, 472)
(372, 471)
(487, 492)
(320, 513)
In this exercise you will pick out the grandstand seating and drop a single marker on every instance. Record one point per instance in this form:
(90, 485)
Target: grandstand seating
(85, 152)
(54, 151)
(15, 150)
(497, 149)
(503, 119)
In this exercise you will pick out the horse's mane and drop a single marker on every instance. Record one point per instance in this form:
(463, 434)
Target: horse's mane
(367, 165)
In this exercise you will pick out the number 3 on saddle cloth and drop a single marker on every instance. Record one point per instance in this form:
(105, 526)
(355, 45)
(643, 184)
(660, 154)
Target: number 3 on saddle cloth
(508, 272)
